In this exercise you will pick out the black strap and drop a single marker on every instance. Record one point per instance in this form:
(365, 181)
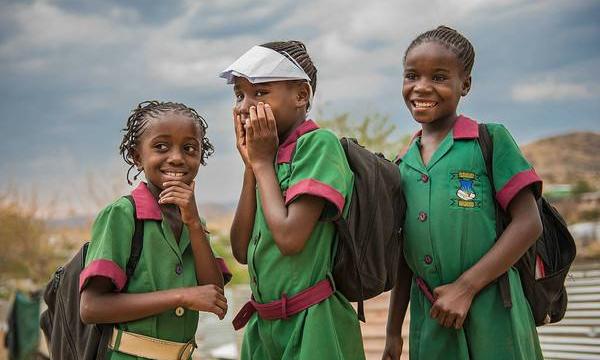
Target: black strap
(344, 235)
(137, 243)
(487, 149)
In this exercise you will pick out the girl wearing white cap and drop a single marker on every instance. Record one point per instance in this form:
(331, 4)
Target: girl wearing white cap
(296, 178)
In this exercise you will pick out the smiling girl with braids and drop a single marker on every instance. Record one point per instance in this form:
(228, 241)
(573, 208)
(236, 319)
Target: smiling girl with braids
(296, 178)
(177, 275)
(456, 305)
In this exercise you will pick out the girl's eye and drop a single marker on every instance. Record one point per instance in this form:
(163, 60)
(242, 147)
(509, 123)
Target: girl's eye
(261, 93)
(439, 77)
(160, 147)
(410, 76)
(190, 148)
(239, 97)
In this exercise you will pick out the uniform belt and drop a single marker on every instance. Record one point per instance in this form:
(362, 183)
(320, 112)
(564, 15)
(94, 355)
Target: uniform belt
(425, 289)
(285, 307)
(149, 347)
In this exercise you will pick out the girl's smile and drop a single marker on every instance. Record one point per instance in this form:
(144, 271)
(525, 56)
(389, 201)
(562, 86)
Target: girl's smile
(170, 149)
(434, 81)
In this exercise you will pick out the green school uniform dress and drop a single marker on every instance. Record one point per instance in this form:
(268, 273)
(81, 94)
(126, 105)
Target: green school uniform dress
(164, 264)
(310, 161)
(450, 225)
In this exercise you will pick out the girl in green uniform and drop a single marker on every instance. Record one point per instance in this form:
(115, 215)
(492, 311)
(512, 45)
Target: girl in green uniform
(177, 274)
(296, 179)
(450, 233)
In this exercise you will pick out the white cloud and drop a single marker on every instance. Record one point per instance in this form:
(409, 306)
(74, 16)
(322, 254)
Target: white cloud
(109, 59)
(553, 90)
(42, 25)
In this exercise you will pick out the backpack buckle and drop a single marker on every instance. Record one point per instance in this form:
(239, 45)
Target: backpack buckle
(547, 319)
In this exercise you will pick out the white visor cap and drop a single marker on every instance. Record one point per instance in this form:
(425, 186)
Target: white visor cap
(261, 64)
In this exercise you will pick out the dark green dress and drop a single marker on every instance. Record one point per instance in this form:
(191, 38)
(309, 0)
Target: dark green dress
(164, 264)
(450, 225)
(310, 161)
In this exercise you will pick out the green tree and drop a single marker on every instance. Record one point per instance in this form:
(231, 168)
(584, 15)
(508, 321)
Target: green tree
(375, 132)
(581, 187)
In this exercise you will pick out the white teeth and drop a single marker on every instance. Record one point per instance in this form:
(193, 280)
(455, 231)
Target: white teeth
(424, 104)
(174, 174)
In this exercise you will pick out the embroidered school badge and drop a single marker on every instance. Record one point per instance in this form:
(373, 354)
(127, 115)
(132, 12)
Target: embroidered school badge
(466, 197)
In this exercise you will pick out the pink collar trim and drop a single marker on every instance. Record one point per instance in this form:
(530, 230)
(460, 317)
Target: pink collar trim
(465, 128)
(146, 206)
(286, 149)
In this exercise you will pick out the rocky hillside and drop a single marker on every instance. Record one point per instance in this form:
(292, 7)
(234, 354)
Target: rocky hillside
(565, 159)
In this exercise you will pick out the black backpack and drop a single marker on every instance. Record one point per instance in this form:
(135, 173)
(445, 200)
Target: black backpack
(67, 337)
(370, 238)
(547, 296)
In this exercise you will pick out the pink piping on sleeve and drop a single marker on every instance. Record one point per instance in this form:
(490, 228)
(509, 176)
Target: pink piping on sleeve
(105, 268)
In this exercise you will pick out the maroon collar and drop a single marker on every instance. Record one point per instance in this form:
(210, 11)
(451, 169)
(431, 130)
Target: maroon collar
(464, 128)
(286, 149)
(146, 206)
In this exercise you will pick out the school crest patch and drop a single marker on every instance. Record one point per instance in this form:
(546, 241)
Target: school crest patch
(465, 186)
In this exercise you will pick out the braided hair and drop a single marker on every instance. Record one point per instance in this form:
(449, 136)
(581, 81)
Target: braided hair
(451, 39)
(296, 51)
(139, 121)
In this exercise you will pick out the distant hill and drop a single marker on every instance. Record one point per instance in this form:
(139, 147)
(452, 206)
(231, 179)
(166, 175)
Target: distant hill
(565, 159)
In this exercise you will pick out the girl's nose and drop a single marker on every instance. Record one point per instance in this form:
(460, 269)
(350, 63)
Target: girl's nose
(422, 85)
(243, 107)
(175, 157)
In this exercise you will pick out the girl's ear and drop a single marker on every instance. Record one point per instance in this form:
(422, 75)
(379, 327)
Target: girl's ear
(302, 95)
(135, 156)
(466, 86)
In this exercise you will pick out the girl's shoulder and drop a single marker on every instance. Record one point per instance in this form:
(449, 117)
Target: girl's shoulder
(502, 138)
(120, 207)
(498, 130)
(320, 136)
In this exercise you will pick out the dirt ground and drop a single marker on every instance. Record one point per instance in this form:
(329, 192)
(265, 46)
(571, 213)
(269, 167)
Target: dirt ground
(3, 353)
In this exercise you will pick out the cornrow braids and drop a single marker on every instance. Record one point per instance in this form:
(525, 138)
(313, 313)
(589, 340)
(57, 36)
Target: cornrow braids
(451, 39)
(139, 121)
(296, 51)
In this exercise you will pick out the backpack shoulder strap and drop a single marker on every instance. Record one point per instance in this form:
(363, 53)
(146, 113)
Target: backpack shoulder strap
(487, 150)
(136, 244)
(344, 234)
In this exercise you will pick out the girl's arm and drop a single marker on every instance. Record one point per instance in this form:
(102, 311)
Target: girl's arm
(243, 221)
(454, 300)
(182, 195)
(99, 304)
(398, 305)
(290, 226)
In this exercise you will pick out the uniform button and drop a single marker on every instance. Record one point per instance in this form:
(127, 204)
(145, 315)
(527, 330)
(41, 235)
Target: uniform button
(428, 259)
(178, 269)
(422, 216)
(424, 178)
(179, 311)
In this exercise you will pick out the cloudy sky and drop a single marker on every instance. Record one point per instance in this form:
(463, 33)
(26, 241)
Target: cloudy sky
(70, 71)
